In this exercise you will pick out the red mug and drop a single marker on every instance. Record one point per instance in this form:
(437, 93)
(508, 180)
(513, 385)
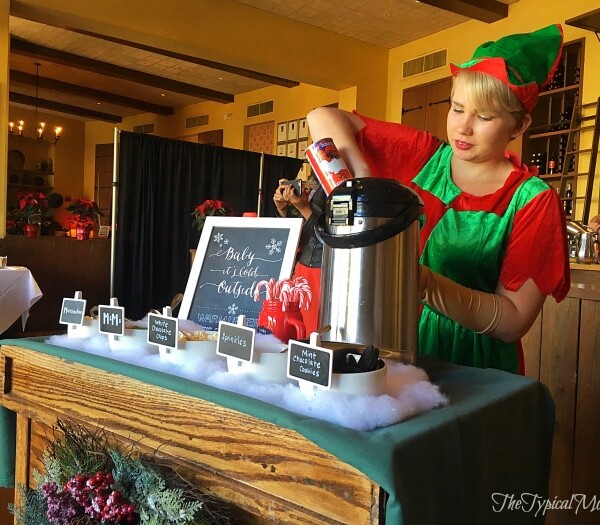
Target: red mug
(284, 325)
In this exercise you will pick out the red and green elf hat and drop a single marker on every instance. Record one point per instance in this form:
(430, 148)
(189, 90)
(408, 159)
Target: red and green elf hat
(524, 62)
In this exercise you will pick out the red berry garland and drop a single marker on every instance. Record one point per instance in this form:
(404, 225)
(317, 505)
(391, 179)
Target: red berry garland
(94, 494)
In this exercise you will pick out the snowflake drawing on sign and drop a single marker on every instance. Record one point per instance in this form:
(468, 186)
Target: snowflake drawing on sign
(232, 309)
(219, 239)
(274, 246)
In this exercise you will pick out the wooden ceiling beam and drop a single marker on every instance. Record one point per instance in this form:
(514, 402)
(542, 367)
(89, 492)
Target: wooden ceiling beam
(19, 98)
(24, 48)
(484, 10)
(21, 77)
(248, 73)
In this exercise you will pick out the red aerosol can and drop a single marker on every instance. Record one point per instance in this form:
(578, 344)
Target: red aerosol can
(324, 158)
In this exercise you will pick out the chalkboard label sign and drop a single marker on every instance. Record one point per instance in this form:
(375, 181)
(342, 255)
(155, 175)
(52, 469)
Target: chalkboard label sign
(235, 340)
(163, 330)
(72, 311)
(234, 254)
(111, 319)
(310, 363)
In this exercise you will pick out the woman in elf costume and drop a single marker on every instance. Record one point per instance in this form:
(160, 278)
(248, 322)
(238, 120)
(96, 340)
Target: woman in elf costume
(493, 239)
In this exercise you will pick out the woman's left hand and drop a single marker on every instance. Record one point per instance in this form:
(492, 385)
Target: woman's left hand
(280, 200)
(299, 201)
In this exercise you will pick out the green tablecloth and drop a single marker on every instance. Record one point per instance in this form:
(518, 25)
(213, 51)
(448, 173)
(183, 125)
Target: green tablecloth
(440, 467)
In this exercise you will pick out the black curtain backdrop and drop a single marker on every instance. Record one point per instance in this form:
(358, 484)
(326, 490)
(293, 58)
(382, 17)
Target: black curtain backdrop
(160, 182)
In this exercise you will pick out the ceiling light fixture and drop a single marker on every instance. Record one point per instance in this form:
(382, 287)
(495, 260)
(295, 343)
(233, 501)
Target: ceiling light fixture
(40, 126)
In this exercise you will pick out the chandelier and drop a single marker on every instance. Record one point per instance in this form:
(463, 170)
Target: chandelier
(19, 129)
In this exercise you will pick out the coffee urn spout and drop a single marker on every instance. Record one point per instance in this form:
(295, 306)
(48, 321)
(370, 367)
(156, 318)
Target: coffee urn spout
(577, 228)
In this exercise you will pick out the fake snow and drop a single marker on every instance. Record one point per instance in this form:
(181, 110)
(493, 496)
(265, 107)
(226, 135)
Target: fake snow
(408, 389)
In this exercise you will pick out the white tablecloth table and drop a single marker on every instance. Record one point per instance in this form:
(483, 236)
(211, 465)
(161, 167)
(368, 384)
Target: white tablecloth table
(18, 293)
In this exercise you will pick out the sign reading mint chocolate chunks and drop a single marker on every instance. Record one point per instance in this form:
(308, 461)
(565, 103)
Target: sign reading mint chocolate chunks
(163, 330)
(310, 363)
(235, 340)
(72, 311)
(234, 254)
(111, 320)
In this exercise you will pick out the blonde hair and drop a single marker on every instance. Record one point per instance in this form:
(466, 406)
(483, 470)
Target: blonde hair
(490, 94)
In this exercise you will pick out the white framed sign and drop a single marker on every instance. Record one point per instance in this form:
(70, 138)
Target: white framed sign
(302, 145)
(292, 149)
(234, 254)
(103, 231)
(282, 131)
(292, 132)
(302, 129)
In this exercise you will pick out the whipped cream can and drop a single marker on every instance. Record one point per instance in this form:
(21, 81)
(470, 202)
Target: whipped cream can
(324, 158)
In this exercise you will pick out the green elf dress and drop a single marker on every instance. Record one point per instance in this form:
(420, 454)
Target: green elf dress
(509, 236)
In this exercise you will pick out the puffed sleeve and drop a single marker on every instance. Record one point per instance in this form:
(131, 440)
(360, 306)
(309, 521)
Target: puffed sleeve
(395, 151)
(537, 247)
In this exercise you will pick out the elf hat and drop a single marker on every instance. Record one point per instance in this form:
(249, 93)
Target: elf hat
(524, 62)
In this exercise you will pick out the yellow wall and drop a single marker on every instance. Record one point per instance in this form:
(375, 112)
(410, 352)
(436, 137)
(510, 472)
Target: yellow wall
(462, 39)
(233, 33)
(289, 104)
(67, 155)
(355, 75)
(225, 31)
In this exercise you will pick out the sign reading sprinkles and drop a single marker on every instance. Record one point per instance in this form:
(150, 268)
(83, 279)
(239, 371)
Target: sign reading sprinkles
(233, 255)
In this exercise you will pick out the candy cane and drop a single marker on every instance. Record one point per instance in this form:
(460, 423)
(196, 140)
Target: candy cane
(257, 291)
(269, 289)
(285, 299)
(303, 292)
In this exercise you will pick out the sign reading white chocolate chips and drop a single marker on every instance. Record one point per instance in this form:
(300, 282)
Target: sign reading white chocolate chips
(163, 330)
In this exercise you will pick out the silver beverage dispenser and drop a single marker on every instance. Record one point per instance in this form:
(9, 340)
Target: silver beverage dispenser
(369, 274)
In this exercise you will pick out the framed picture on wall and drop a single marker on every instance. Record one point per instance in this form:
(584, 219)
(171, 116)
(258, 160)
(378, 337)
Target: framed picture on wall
(302, 129)
(282, 131)
(281, 150)
(103, 232)
(292, 149)
(302, 145)
(292, 130)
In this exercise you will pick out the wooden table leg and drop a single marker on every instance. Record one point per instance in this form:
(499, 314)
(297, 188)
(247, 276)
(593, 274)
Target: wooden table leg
(22, 455)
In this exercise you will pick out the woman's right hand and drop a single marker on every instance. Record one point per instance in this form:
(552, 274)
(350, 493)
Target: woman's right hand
(594, 223)
(285, 196)
(279, 198)
(343, 128)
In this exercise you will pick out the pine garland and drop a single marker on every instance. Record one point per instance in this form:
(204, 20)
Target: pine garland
(157, 505)
(88, 481)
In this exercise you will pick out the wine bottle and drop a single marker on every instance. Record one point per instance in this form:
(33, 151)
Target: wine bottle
(543, 162)
(568, 202)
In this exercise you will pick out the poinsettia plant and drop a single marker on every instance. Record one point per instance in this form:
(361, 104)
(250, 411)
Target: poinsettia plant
(209, 208)
(84, 212)
(33, 206)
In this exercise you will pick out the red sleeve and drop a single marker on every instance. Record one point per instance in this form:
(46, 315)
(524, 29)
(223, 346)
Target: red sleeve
(537, 247)
(395, 151)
